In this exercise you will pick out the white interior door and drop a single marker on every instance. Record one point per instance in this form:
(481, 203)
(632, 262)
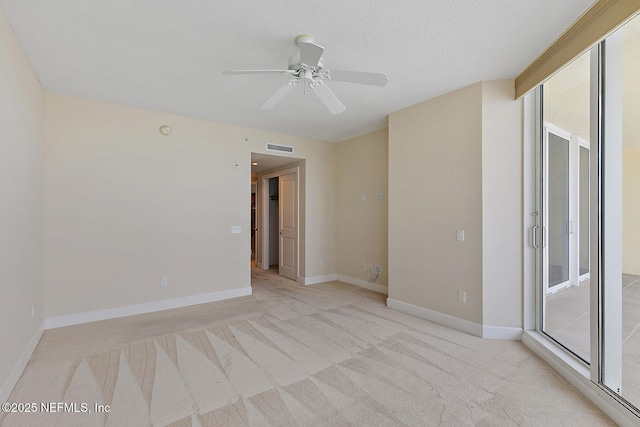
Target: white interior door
(288, 224)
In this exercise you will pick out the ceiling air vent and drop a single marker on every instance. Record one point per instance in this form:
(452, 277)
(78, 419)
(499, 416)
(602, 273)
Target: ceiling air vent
(279, 148)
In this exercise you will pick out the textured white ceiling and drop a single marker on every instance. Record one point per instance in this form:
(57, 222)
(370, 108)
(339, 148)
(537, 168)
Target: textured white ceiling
(169, 55)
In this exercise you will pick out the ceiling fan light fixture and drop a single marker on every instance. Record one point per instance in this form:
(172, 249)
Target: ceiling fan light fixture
(307, 67)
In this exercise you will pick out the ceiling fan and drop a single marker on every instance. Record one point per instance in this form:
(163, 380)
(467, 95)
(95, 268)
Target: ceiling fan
(307, 69)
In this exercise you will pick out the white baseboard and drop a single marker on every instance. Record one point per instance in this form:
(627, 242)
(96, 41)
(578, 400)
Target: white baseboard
(314, 280)
(150, 307)
(578, 375)
(15, 374)
(482, 331)
(501, 333)
(436, 317)
(375, 287)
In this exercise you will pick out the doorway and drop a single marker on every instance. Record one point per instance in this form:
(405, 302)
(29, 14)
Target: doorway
(254, 220)
(279, 234)
(288, 225)
(274, 216)
(280, 239)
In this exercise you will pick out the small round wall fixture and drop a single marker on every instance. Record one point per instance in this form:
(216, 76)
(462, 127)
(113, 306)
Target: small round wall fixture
(165, 130)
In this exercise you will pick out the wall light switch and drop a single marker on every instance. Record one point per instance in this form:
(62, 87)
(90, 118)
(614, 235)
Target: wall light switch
(380, 197)
(164, 282)
(236, 229)
(460, 235)
(462, 297)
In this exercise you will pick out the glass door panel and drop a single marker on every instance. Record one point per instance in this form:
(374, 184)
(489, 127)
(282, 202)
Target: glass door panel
(564, 208)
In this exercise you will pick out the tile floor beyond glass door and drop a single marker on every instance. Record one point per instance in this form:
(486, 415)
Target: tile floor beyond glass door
(567, 321)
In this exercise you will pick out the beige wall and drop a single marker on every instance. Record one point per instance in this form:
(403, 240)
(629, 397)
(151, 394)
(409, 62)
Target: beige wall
(435, 188)
(125, 206)
(362, 225)
(455, 163)
(21, 110)
(502, 197)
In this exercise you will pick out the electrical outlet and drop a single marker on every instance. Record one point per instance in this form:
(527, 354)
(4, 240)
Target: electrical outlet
(378, 269)
(462, 297)
(164, 282)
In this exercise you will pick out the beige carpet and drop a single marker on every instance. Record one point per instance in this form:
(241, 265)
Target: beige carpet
(329, 354)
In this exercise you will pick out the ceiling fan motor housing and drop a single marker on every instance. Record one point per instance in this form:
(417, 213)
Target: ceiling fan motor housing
(295, 65)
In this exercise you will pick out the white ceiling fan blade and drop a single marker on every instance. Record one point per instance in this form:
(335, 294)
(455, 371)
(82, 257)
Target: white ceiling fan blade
(277, 96)
(360, 77)
(310, 53)
(228, 73)
(328, 98)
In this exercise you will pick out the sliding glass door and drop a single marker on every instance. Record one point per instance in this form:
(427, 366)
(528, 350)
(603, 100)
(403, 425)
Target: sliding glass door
(564, 208)
(587, 233)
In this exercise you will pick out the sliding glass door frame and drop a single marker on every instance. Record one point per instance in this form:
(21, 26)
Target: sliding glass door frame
(587, 377)
(595, 177)
(610, 301)
(604, 233)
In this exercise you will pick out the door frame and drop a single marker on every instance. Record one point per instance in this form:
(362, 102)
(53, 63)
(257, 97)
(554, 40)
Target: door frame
(264, 233)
